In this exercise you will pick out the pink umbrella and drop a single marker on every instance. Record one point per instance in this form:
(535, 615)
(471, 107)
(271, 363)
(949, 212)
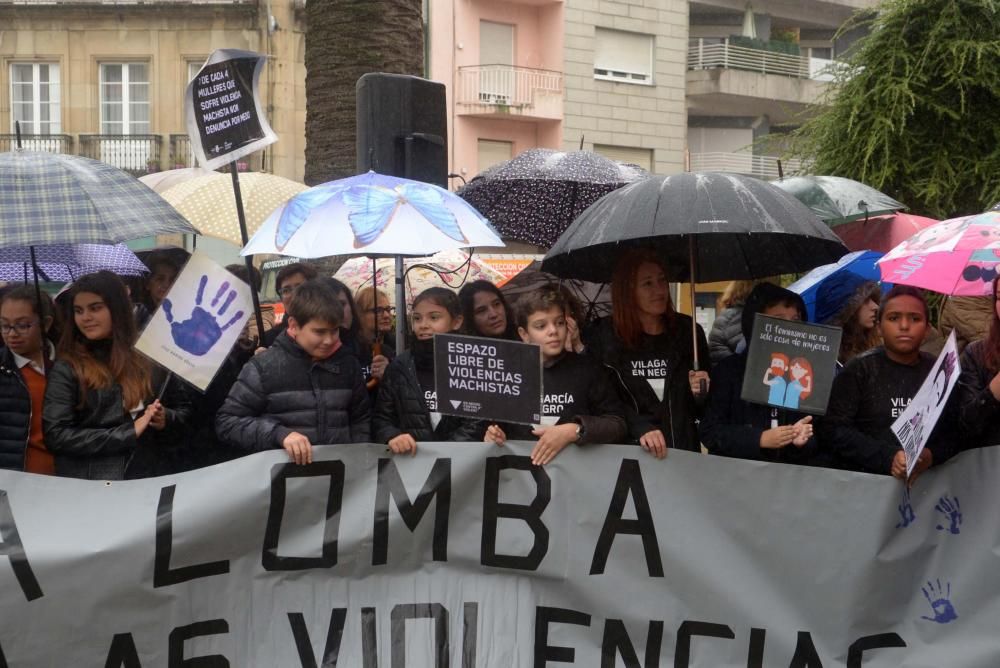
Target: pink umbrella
(954, 257)
(881, 233)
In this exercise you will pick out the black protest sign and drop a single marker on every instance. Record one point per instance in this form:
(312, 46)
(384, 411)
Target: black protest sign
(488, 379)
(224, 116)
(791, 364)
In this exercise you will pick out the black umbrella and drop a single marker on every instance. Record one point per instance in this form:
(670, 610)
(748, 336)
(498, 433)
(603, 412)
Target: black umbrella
(707, 227)
(535, 196)
(837, 200)
(594, 297)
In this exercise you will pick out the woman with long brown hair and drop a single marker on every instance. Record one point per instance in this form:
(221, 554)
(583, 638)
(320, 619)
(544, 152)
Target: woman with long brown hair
(100, 409)
(978, 389)
(851, 302)
(650, 347)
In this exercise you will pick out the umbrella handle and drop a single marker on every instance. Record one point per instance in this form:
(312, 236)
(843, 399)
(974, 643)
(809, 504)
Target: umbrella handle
(702, 385)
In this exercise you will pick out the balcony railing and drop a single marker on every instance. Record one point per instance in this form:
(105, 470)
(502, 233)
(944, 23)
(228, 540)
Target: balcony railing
(50, 143)
(707, 53)
(125, 3)
(135, 154)
(182, 156)
(761, 166)
(507, 89)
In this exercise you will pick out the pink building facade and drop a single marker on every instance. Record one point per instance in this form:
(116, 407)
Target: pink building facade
(502, 63)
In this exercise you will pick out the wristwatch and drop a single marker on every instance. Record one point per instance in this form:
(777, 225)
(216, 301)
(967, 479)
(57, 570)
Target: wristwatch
(579, 431)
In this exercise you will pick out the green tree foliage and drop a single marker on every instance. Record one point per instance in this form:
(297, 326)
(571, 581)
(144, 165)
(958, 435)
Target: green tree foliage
(916, 112)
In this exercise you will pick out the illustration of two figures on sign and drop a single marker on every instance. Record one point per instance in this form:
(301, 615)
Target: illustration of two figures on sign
(790, 380)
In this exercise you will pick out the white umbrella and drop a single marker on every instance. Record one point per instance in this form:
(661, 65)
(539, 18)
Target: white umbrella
(373, 215)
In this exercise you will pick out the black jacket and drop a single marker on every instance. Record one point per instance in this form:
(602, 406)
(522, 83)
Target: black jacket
(978, 409)
(282, 390)
(867, 397)
(677, 413)
(578, 389)
(732, 427)
(15, 413)
(400, 407)
(727, 333)
(98, 441)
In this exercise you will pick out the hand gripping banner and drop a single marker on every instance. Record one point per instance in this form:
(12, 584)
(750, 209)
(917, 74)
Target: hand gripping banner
(467, 556)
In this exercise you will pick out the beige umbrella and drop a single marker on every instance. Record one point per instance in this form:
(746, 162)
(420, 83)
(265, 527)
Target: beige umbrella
(207, 201)
(162, 181)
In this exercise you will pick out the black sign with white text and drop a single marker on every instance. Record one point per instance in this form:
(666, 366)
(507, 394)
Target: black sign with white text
(225, 119)
(791, 364)
(488, 379)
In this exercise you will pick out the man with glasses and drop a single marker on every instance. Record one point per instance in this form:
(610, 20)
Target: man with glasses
(288, 280)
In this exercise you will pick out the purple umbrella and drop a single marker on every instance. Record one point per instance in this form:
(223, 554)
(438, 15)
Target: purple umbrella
(62, 263)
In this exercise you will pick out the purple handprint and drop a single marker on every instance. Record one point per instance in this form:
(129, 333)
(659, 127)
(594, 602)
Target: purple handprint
(200, 332)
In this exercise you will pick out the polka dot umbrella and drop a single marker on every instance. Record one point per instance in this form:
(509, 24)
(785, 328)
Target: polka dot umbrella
(209, 200)
(536, 195)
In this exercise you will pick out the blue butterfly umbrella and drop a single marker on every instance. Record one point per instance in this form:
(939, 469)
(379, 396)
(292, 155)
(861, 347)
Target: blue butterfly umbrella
(375, 215)
(372, 214)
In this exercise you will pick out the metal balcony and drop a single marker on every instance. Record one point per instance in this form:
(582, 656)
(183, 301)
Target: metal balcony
(761, 166)
(505, 91)
(135, 154)
(50, 143)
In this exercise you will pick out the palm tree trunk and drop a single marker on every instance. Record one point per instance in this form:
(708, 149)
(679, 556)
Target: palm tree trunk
(344, 40)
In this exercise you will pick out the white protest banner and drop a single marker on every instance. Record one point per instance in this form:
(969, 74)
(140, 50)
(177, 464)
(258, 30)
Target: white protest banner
(225, 119)
(198, 323)
(914, 425)
(468, 556)
(488, 379)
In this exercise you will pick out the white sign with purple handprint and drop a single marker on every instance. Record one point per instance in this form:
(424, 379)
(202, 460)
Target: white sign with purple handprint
(914, 426)
(199, 321)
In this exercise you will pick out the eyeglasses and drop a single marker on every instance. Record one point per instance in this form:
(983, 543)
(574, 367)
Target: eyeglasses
(384, 310)
(286, 290)
(19, 327)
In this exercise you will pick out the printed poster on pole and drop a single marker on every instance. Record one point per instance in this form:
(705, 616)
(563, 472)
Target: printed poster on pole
(225, 119)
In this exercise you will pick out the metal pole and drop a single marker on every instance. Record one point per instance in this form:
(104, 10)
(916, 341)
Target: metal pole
(694, 311)
(38, 298)
(400, 307)
(249, 258)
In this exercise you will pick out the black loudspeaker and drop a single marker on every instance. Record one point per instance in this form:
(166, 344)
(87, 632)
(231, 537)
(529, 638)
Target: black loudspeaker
(403, 127)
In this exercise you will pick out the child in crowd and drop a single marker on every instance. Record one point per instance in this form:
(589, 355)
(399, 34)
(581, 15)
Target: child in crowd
(580, 403)
(875, 388)
(26, 326)
(305, 389)
(101, 418)
(406, 407)
(735, 428)
(288, 280)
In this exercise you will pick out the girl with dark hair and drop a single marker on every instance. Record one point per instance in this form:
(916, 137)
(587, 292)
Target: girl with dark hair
(26, 325)
(406, 407)
(486, 312)
(978, 389)
(100, 408)
(851, 302)
(650, 346)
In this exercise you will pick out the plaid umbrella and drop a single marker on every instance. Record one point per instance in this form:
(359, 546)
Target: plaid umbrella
(52, 198)
(63, 263)
(535, 196)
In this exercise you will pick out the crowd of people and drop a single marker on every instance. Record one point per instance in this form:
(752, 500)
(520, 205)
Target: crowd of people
(77, 399)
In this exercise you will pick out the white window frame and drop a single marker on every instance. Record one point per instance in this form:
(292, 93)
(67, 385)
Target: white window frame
(622, 76)
(54, 103)
(125, 101)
